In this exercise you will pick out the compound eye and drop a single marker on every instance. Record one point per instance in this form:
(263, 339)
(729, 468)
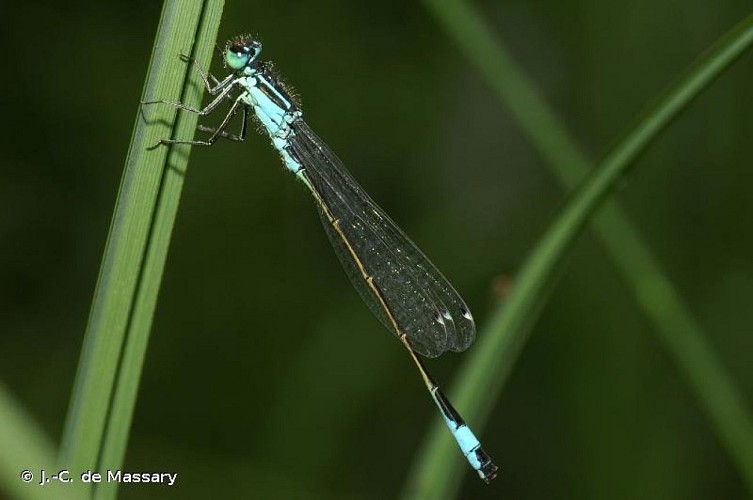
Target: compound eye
(237, 57)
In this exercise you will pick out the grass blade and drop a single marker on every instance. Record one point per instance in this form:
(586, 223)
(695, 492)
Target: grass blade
(483, 375)
(129, 374)
(101, 407)
(25, 447)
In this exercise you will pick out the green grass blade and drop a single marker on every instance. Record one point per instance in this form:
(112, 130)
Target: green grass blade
(128, 283)
(129, 374)
(436, 474)
(25, 447)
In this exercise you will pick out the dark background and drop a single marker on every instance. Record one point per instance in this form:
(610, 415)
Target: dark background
(266, 376)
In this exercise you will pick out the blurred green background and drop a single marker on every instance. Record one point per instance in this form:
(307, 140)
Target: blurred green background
(265, 372)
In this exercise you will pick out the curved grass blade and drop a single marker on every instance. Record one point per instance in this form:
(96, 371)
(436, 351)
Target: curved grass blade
(101, 406)
(436, 472)
(24, 446)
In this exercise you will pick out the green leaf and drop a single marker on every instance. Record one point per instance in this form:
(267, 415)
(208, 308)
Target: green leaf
(101, 408)
(25, 449)
(436, 473)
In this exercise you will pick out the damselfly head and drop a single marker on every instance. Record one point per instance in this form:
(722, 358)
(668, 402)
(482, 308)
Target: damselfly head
(241, 51)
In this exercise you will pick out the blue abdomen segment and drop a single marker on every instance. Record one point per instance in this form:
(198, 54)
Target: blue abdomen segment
(467, 441)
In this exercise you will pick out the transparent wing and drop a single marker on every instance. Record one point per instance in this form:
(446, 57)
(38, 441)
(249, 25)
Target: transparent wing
(423, 303)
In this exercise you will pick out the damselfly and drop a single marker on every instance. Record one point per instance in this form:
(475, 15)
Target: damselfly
(398, 283)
